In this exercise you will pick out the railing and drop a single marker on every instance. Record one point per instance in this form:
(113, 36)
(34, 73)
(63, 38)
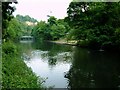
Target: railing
(26, 38)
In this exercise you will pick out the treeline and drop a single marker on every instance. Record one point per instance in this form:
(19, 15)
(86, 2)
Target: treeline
(95, 25)
(25, 28)
(15, 73)
(54, 29)
(17, 27)
(92, 24)
(26, 18)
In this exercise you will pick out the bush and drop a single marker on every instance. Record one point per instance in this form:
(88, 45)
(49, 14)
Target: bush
(15, 73)
(9, 48)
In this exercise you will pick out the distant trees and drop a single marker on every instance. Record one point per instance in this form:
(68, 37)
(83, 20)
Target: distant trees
(26, 29)
(91, 24)
(25, 18)
(52, 30)
(13, 27)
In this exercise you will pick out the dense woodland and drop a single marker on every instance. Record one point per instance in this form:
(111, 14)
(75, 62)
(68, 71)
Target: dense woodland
(93, 25)
(96, 24)
(52, 30)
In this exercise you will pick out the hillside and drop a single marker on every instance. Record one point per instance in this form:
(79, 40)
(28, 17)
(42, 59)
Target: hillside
(26, 18)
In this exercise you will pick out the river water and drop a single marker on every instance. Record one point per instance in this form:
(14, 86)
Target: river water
(65, 66)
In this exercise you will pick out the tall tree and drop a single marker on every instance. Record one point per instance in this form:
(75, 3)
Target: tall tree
(7, 11)
(94, 22)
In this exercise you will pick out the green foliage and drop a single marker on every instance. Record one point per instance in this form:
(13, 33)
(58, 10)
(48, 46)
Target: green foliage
(9, 48)
(41, 31)
(15, 73)
(52, 30)
(14, 30)
(57, 31)
(26, 29)
(97, 22)
(6, 17)
(52, 20)
(25, 18)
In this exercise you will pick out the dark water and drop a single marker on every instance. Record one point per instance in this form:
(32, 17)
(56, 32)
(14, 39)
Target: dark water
(69, 66)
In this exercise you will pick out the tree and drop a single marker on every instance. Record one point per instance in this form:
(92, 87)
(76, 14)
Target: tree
(14, 29)
(52, 30)
(41, 31)
(7, 11)
(94, 22)
(25, 18)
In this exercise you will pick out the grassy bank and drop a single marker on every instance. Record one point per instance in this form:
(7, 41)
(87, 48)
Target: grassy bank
(15, 73)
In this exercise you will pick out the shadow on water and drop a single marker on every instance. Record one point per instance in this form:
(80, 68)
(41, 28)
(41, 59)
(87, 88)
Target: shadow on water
(94, 69)
(73, 67)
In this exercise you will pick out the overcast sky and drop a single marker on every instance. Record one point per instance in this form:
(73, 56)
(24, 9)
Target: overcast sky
(39, 9)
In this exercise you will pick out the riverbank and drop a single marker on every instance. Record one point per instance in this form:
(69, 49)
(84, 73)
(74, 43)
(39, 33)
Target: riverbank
(63, 41)
(81, 43)
(15, 73)
(87, 44)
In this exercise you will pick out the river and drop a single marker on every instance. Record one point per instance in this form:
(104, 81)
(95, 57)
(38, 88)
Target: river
(65, 66)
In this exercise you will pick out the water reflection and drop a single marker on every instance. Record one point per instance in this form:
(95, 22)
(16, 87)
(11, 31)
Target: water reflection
(94, 70)
(51, 62)
(72, 67)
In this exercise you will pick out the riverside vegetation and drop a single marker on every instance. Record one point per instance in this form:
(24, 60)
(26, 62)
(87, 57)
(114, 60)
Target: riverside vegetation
(94, 25)
(15, 73)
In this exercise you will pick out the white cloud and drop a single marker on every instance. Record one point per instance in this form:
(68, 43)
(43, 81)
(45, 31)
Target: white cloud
(39, 9)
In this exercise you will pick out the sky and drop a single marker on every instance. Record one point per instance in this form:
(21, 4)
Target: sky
(39, 9)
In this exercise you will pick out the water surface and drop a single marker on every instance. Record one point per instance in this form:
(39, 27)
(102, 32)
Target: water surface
(69, 66)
